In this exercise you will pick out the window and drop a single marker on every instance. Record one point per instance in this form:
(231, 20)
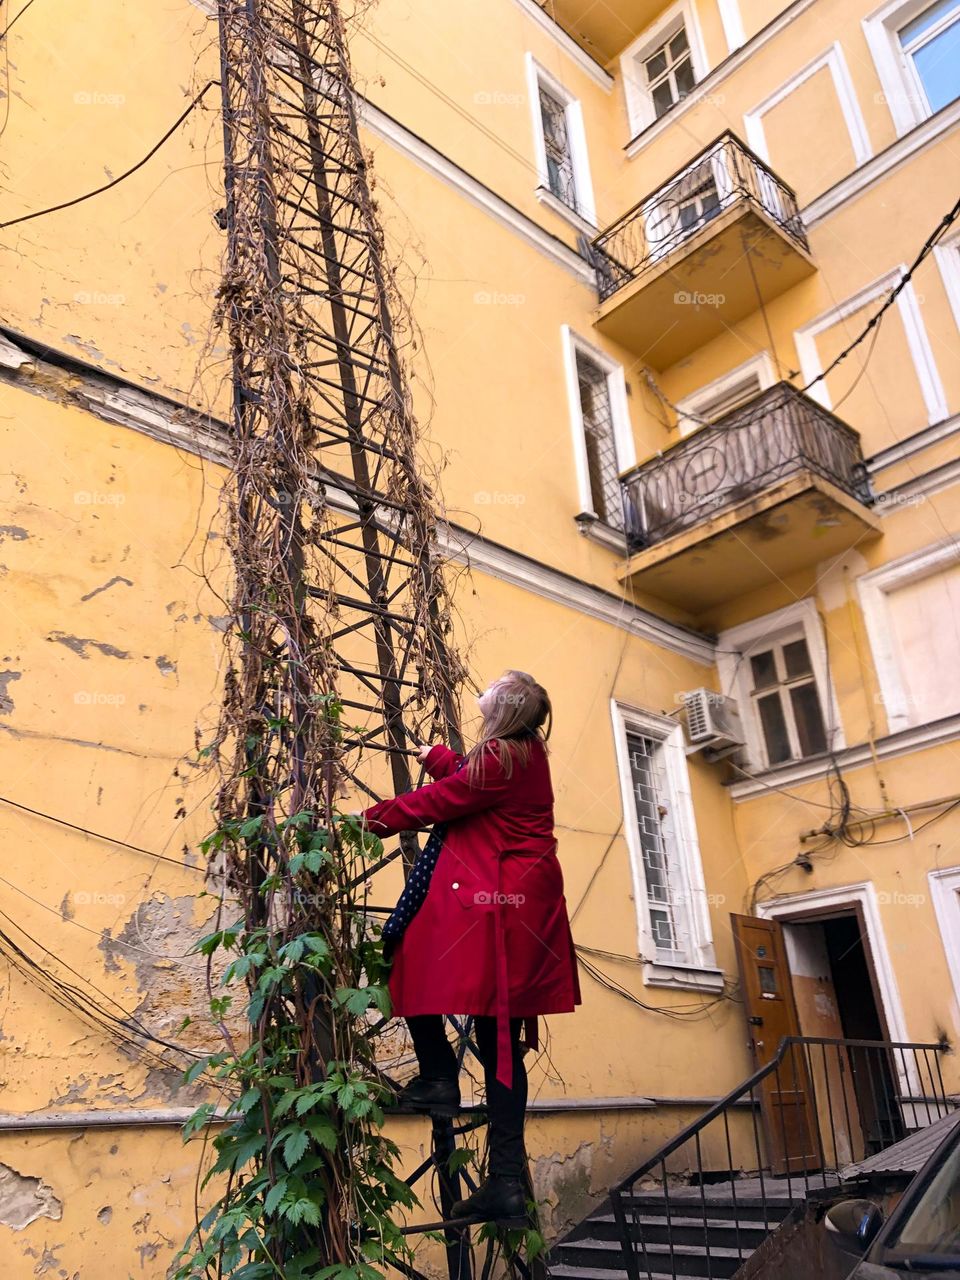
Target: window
(776, 668)
(911, 608)
(916, 50)
(663, 66)
(786, 702)
(726, 393)
(602, 436)
(597, 413)
(673, 920)
(557, 147)
(931, 45)
(561, 147)
(669, 72)
(657, 847)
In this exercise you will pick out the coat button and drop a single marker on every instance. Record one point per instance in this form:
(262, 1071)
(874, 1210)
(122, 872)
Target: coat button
(455, 885)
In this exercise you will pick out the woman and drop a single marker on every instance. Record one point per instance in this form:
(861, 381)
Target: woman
(491, 937)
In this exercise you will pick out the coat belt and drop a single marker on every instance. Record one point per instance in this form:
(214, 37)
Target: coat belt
(504, 1058)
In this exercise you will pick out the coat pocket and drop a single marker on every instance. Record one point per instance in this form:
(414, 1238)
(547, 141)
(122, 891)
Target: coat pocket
(471, 892)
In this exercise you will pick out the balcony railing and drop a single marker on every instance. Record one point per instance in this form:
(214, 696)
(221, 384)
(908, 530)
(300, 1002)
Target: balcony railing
(777, 434)
(723, 174)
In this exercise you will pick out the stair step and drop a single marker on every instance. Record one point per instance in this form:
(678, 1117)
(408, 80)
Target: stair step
(681, 1259)
(564, 1272)
(775, 1207)
(682, 1228)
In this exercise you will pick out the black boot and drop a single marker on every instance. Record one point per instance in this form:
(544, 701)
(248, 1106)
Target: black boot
(435, 1097)
(500, 1200)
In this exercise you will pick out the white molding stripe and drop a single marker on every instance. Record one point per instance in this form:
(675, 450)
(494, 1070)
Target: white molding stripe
(921, 738)
(732, 22)
(833, 60)
(178, 425)
(719, 73)
(433, 161)
(947, 255)
(898, 153)
(513, 567)
(567, 43)
(914, 444)
(931, 387)
(931, 482)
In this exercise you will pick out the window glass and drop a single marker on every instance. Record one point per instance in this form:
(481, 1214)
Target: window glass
(808, 718)
(932, 42)
(774, 725)
(796, 658)
(764, 667)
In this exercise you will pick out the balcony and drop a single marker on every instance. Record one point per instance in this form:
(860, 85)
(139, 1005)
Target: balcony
(604, 29)
(709, 247)
(773, 487)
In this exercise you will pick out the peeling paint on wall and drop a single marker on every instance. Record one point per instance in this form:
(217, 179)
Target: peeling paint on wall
(80, 644)
(24, 1199)
(6, 701)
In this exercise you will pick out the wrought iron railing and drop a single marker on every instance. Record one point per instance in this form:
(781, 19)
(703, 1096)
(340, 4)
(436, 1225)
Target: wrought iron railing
(783, 1134)
(775, 435)
(722, 174)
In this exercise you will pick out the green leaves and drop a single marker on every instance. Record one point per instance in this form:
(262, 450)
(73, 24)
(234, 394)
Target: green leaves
(302, 1162)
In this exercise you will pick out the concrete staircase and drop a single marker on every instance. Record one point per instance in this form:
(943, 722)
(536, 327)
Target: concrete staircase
(677, 1243)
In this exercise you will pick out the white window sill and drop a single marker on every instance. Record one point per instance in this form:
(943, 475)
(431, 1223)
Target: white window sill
(681, 977)
(546, 197)
(592, 527)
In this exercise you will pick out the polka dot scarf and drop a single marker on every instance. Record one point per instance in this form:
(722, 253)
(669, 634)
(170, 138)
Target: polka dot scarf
(418, 882)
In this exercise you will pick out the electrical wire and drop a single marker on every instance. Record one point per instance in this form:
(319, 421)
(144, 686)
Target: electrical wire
(870, 327)
(97, 835)
(98, 933)
(69, 204)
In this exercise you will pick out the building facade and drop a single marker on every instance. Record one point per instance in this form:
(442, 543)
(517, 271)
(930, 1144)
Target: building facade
(635, 240)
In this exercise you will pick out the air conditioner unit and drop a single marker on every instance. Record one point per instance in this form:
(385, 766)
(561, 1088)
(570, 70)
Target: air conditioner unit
(713, 722)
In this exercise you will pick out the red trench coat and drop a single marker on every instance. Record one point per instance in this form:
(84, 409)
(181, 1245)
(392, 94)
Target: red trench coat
(492, 936)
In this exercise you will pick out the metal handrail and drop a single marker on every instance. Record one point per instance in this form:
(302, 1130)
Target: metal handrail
(727, 134)
(905, 1093)
(779, 432)
(624, 249)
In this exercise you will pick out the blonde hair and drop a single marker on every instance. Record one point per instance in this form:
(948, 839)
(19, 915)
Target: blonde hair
(521, 714)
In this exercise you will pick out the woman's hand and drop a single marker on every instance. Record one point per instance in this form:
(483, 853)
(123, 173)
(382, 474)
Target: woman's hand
(423, 751)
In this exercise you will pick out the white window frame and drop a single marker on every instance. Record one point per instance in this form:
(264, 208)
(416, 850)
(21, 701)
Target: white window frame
(734, 647)
(902, 88)
(945, 894)
(623, 441)
(873, 590)
(584, 216)
(947, 255)
(915, 334)
(694, 406)
(639, 105)
(701, 973)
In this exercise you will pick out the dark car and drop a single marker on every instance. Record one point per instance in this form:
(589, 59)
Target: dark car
(922, 1235)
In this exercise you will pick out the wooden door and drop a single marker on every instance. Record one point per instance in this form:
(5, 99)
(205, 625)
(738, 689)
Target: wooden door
(787, 1105)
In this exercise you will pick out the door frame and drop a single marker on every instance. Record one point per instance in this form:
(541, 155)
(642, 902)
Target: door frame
(821, 903)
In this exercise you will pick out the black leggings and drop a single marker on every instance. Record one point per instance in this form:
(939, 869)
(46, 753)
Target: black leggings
(506, 1107)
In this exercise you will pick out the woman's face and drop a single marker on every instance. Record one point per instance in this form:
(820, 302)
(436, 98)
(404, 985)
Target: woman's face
(488, 699)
